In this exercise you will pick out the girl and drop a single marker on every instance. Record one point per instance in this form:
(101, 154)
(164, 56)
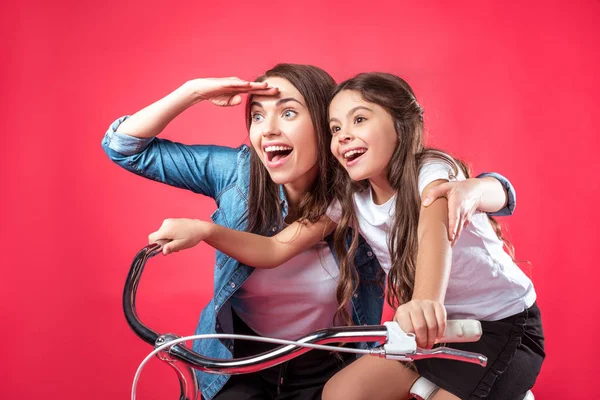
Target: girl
(377, 129)
(376, 125)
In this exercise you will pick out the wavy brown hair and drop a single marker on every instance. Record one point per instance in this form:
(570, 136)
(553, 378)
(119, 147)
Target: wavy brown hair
(398, 99)
(264, 205)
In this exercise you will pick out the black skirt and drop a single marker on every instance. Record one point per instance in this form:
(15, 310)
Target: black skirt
(514, 347)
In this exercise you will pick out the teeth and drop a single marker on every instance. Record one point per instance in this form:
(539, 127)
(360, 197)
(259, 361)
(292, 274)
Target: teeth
(270, 149)
(352, 152)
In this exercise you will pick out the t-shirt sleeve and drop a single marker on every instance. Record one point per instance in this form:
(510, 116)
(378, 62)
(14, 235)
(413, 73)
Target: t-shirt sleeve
(433, 171)
(334, 211)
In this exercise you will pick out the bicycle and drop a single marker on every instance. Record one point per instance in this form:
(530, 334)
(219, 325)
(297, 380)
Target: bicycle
(395, 344)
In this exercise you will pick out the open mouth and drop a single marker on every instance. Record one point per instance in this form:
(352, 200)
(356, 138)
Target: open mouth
(353, 154)
(276, 154)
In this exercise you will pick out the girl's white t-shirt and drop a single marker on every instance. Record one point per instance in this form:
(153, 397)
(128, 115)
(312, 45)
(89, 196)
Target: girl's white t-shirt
(485, 283)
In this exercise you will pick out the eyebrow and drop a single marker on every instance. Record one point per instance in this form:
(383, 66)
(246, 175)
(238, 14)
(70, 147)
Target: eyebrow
(352, 111)
(279, 102)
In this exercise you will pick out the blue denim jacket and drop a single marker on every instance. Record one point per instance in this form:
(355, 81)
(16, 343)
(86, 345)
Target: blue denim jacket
(223, 173)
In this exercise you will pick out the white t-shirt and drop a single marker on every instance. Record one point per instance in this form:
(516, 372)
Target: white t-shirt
(484, 283)
(294, 299)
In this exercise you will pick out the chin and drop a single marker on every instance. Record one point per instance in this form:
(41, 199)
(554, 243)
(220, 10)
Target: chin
(281, 178)
(357, 176)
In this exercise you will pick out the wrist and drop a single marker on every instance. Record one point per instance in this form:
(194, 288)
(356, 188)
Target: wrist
(201, 230)
(193, 91)
(427, 297)
(479, 191)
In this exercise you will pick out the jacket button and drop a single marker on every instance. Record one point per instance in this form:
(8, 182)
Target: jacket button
(232, 284)
(356, 295)
(370, 253)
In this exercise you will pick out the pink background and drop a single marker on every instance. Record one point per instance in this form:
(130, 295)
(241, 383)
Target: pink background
(509, 88)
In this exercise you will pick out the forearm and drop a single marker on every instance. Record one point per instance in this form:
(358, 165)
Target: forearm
(494, 196)
(434, 257)
(248, 248)
(268, 252)
(433, 264)
(151, 120)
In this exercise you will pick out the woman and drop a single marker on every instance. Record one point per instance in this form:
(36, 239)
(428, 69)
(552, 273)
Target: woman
(282, 177)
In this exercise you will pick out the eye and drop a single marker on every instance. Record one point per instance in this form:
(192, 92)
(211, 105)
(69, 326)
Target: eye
(359, 119)
(289, 114)
(335, 129)
(256, 117)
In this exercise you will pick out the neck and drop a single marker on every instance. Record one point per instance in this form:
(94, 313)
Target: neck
(294, 191)
(382, 191)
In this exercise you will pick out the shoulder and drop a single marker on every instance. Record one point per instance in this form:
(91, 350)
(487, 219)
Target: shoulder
(438, 166)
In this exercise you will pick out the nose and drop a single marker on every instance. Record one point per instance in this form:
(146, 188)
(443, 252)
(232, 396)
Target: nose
(270, 127)
(344, 136)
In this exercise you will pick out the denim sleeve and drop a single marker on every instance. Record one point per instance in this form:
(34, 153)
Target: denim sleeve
(510, 190)
(203, 169)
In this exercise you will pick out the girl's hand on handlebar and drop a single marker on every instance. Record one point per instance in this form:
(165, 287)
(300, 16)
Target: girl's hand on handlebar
(182, 233)
(225, 92)
(425, 318)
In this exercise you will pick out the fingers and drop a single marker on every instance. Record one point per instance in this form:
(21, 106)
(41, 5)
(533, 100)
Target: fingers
(458, 228)
(453, 220)
(171, 247)
(440, 315)
(238, 83)
(466, 220)
(419, 327)
(153, 237)
(234, 100)
(414, 321)
(435, 193)
(165, 232)
(426, 319)
(403, 319)
(265, 92)
(431, 324)
(463, 222)
(162, 235)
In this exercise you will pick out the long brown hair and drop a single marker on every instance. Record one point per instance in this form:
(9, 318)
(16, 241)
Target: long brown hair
(397, 97)
(264, 205)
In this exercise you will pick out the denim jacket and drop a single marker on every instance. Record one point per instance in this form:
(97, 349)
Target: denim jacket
(223, 173)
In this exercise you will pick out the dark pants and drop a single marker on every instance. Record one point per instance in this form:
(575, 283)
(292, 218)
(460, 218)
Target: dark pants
(302, 378)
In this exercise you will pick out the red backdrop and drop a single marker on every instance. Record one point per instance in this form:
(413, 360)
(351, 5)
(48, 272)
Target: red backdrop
(511, 89)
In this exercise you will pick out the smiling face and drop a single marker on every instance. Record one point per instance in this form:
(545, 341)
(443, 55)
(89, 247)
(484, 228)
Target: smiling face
(283, 135)
(363, 136)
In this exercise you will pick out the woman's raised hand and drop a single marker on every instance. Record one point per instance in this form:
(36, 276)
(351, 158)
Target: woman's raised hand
(225, 92)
